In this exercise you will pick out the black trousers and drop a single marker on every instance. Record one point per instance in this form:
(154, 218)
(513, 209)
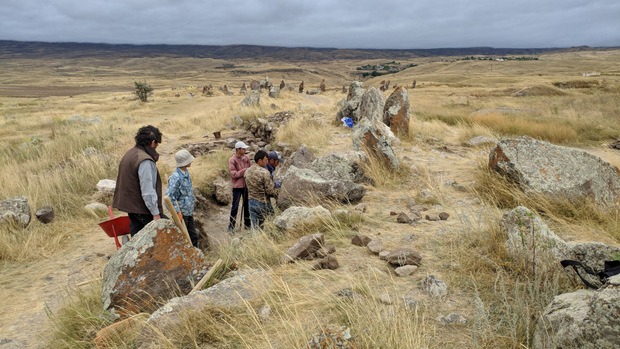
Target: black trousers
(191, 229)
(237, 194)
(137, 221)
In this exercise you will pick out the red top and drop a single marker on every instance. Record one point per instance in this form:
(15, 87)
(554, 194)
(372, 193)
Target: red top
(237, 166)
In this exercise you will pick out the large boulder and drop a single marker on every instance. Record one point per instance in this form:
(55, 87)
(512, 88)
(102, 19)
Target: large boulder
(153, 267)
(375, 141)
(396, 111)
(251, 100)
(222, 191)
(301, 158)
(237, 290)
(351, 106)
(297, 216)
(581, 319)
(556, 171)
(15, 210)
(302, 186)
(530, 242)
(341, 166)
(372, 105)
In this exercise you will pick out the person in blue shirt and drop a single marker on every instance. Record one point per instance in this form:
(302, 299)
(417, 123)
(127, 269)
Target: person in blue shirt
(181, 193)
(273, 160)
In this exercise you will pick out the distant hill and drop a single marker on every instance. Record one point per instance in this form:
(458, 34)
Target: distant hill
(19, 49)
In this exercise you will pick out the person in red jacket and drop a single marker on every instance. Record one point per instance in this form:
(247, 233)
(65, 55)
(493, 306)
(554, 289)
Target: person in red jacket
(237, 165)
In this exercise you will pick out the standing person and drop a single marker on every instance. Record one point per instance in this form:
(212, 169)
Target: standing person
(181, 193)
(138, 185)
(237, 165)
(260, 190)
(273, 160)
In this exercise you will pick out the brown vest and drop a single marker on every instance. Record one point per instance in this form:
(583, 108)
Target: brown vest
(127, 195)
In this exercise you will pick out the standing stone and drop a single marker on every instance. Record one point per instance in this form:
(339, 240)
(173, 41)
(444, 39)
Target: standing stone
(255, 85)
(289, 87)
(351, 106)
(301, 87)
(387, 85)
(282, 84)
(15, 210)
(344, 89)
(244, 89)
(372, 105)
(558, 172)
(225, 90)
(322, 87)
(396, 112)
(274, 92)
(375, 141)
(413, 84)
(45, 214)
(150, 269)
(251, 100)
(382, 86)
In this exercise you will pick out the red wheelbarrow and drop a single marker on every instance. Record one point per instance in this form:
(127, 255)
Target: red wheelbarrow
(116, 227)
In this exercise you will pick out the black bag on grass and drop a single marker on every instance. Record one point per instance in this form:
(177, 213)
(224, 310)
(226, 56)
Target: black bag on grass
(611, 268)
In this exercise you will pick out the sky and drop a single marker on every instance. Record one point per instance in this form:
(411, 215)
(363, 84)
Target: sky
(380, 24)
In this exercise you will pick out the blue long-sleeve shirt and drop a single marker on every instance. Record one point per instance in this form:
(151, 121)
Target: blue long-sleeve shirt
(180, 191)
(147, 174)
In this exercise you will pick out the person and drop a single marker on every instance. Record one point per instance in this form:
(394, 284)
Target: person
(138, 184)
(260, 190)
(181, 193)
(237, 165)
(273, 160)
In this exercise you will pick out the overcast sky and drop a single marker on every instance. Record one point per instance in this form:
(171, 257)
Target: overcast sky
(399, 24)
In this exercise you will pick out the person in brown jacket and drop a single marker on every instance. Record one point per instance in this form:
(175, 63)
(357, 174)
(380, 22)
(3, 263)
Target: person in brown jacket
(138, 185)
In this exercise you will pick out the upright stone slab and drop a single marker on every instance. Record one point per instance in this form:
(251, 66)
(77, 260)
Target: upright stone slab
(559, 172)
(372, 104)
(352, 104)
(156, 265)
(367, 137)
(396, 111)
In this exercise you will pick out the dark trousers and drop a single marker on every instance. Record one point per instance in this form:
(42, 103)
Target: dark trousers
(237, 194)
(191, 229)
(259, 212)
(137, 221)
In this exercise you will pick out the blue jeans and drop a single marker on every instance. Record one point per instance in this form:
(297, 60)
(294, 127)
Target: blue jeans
(258, 213)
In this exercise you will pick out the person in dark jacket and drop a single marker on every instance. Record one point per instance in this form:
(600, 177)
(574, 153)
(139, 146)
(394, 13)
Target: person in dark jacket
(138, 185)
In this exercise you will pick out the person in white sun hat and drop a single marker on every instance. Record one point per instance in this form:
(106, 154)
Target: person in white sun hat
(181, 192)
(237, 165)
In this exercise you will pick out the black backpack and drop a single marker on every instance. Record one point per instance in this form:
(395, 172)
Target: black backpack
(611, 268)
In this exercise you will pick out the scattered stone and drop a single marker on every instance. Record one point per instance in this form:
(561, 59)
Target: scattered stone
(325, 250)
(452, 319)
(361, 207)
(375, 246)
(328, 262)
(323, 86)
(250, 100)
(581, 319)
(418, 208)
(434, 287)
(106, 186)
(332, 337)
(444, 216)
(298, 216)
(403, 218)
(158, 262)
(383, 255)
(426, 193)
(45, 214)
(349, 295)
(264, 313)
(403, 256)
(15, 210)
(274, 92)
(223, 191)
(615, 145)
(411, 203)
(360, 240)
(96, 207)
(230, 143)
(405, 270)
(305, 247)
(555, 171)
(432, 217)
(301, 158)
(396, 111)
(414, 216)
(385, 299)
(393, 213)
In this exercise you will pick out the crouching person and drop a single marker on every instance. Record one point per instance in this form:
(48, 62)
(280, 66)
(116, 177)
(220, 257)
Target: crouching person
(181, 193)
(260, 189)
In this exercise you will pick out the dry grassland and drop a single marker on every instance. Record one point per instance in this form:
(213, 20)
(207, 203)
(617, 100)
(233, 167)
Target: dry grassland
(41, 152)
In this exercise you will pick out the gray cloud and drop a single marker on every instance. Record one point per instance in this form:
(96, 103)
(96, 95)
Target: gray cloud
(317, 23)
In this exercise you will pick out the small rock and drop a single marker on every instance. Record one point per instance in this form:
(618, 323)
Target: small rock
(452, 319)
(405, 270)
(432, 217)
(385, 298)
(360, 240)
(426, 193)
(106, 186)
(325, 250)
(418, 208)
(383, 255)
(96, 207)
(393, 213)
(375, 246)
(403, 218)
(264, 313)
(350, 295)
(361, 207)
(45, 214)
(434, 286)
(411, 203)
(444, 215)
(415, 215)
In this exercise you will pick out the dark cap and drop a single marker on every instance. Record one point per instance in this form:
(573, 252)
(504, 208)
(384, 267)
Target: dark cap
(274, 155)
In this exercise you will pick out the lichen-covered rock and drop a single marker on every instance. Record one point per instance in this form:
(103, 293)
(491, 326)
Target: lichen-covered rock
(351, 106)
(223, 191)
(530, 242)
(556, 171)
(297, 216)
(332, 337)
(238, 289)
(396, 111)
(15, 210)
(274, 92)
(251, 100)
(581, 319)
(403, 256)
(434, 286)
(341, 166)
(301, 158)
(151, 268)
(372, 105)
(371, 139)
(302, 186)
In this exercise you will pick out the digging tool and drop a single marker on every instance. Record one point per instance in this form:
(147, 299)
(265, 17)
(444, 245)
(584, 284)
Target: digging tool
(205, 278)
(175, 218)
